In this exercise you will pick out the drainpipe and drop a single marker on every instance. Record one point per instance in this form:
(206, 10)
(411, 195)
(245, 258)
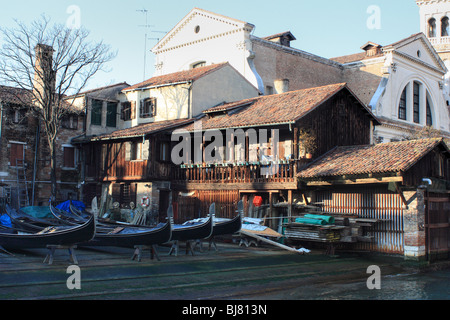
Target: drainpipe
(36, 148)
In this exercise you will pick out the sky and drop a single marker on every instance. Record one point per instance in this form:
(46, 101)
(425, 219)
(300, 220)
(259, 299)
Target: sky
(327, 28)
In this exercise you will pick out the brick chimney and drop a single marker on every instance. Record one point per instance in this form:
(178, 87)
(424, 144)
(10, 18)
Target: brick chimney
(44, 75)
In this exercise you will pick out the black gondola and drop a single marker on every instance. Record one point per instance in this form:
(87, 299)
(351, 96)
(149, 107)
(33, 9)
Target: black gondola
(231, 226)
(132, 236)
(27, 223)
(193, 231)
(58, 236)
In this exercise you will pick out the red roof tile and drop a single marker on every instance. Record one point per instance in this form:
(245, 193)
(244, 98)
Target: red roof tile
(266, 110)
(143, 129)
(15, 95)
(181, 76)
(380, 158)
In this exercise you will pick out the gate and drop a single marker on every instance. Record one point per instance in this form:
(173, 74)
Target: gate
(437, 226)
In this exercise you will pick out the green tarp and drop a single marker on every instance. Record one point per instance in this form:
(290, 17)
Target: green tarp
(37, 212)
(327, 219)
(311, 221)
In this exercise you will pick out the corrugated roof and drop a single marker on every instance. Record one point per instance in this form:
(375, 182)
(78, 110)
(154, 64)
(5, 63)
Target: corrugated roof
(379, 158)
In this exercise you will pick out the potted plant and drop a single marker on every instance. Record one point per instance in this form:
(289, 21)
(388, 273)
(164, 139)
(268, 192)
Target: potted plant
(307, 143)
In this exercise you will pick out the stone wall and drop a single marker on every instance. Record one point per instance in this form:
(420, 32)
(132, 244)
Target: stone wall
(414, 225)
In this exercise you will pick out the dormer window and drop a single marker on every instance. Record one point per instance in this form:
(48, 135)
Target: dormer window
(198, 64)
(432, 28)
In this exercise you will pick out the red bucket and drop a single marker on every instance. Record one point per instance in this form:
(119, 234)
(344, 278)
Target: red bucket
(257, 201)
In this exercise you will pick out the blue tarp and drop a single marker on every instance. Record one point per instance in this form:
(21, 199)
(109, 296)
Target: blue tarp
(66, 205)
(5, 220)
(37, 212)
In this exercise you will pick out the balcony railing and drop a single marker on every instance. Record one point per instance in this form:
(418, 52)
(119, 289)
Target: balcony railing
(247, 172)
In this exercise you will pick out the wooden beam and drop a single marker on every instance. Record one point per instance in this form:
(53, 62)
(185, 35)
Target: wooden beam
(261, 186)
(400, 193)
(279, 245)
(355, 181)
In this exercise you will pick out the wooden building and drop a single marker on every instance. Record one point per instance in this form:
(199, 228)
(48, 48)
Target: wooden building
(403, 184)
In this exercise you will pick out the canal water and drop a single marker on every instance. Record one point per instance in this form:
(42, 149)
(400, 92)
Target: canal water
(433, 285)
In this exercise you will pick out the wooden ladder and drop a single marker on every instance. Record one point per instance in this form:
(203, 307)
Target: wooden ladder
(22, 189)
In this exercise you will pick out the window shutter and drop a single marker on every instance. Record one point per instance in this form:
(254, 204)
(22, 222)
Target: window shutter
(127, 151)
(154, 104)
(133, 110)
(141, 108)
(146, 150)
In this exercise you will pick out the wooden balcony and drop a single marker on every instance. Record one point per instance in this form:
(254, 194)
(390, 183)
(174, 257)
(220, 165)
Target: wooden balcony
(253, 176)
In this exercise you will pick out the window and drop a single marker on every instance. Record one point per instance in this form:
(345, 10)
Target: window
(96, 112)
(128, 111)
(416, 102)
(18, 116)
(402, 105)
(111, 114)
(70, 121)
(429, 116)
(69, 157)
(16, 152)
(269, 90)
(148, 108)
(432, 28)
(164, 151)
(444, 27)
(136, 151)
(198, 64)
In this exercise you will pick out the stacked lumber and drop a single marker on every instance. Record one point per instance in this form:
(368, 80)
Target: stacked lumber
(301, 231)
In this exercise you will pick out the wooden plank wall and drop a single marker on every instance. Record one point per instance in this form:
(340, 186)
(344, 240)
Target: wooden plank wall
(372, 203)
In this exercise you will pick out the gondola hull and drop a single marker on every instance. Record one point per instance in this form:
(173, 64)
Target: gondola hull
(227, 227)
(193, 232)
(131, 237)
(64, 237)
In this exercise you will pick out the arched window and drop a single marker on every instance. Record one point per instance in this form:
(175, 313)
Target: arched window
(402, 105)
(429, 116)
(416, 102)
(432, 28)
(444, 27)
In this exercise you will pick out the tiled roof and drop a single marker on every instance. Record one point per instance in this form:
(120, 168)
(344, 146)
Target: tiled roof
(181, 76)
(278, 35)
(268, 110)
(14, 95)
(143, 129)
(379, 158)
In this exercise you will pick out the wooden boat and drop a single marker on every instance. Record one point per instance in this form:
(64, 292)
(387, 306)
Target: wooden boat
(194, 230)
(28, 223)
(231, 226)
(125, 236)
(57, 235)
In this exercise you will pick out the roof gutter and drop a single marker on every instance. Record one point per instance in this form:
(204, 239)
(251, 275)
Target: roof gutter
(158, 86)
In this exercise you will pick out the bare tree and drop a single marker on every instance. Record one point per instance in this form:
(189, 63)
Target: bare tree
(51, 62)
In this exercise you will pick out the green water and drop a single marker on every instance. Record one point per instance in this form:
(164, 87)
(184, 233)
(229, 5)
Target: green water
(413, 286)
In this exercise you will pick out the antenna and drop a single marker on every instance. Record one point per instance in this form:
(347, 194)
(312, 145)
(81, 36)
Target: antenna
(146, 26)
